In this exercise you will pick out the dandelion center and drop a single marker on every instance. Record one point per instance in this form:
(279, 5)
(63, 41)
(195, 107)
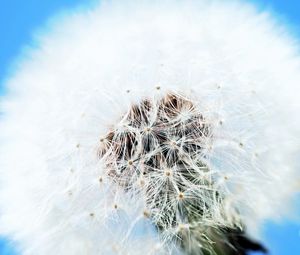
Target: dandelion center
(159, 153)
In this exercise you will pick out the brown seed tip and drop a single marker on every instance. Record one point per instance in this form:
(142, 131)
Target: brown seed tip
(168, 173)
(115, 206)
(92, 214)
(180, 195)
(142, 182)
(146, 214)
(173, 143)
(157, 87)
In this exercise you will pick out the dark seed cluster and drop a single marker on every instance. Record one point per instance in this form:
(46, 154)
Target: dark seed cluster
(159, 149)
(155, 135)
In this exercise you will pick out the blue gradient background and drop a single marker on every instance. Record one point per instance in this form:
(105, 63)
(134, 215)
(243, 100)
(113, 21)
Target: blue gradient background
(20, 18)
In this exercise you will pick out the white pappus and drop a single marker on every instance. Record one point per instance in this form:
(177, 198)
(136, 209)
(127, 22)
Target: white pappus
(150, 127)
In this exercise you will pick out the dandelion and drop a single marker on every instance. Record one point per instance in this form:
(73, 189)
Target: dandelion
(153, 127)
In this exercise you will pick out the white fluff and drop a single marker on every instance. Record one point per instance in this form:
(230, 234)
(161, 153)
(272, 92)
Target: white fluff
(239, 64)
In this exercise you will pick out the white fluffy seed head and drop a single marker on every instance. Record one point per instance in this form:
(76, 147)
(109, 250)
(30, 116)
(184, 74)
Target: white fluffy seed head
(135, 127)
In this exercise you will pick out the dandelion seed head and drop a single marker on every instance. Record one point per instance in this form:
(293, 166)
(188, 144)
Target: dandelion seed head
(143, 115)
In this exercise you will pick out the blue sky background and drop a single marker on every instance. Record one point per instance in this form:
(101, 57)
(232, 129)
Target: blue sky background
(20, 18)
